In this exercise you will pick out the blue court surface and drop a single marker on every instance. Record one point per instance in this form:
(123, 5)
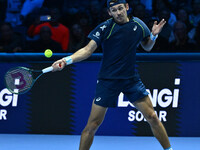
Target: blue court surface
(71, 142)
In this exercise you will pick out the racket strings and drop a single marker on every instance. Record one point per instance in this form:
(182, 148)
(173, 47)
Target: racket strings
(20, 79)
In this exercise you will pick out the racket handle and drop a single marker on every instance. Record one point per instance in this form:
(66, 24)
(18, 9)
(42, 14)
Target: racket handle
(48, 69)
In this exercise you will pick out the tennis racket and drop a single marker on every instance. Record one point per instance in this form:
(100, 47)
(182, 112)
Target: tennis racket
(20, 80)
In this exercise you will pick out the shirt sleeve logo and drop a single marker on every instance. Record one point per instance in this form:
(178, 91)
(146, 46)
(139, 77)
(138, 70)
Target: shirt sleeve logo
(97, 34)
(103, 27)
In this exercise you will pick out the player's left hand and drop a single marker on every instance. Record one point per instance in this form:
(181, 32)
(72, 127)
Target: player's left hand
(157, 28)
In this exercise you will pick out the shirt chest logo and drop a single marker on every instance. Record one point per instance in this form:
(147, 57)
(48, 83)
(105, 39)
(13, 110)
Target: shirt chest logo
(135, 28)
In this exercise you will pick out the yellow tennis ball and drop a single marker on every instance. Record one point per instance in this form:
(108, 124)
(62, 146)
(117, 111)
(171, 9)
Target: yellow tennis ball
(48, 53)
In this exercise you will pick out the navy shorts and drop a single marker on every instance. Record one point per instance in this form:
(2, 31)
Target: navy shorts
(108, 90)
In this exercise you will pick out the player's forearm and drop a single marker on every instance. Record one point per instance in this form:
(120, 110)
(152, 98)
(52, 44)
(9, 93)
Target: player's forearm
(80, 55)
(148, 45)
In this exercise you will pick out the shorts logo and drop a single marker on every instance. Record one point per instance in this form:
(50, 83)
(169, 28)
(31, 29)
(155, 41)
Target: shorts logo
(98, 99)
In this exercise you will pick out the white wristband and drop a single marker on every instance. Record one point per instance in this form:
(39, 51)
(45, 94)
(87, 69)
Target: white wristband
(68, 60)
(153, 37)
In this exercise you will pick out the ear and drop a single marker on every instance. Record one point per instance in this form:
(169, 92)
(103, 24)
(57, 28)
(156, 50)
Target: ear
(127, 6)
(108, 10)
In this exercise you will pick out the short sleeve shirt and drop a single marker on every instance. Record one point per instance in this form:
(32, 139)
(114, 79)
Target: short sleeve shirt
(119, 43)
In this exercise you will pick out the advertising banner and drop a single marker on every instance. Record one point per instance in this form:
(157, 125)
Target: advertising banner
(60, 102)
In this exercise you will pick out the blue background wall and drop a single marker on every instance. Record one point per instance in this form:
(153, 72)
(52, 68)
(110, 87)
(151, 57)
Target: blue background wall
(60, 102)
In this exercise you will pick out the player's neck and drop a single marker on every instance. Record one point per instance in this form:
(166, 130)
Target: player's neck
(124, 22)
(127, 19)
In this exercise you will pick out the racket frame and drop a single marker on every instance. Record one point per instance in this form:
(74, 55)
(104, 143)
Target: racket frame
(30, 71)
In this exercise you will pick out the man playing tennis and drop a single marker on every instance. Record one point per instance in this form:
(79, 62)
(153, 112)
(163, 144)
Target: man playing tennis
(119, 38)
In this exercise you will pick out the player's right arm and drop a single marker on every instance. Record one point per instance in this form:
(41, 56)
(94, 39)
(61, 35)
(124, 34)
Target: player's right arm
(96, 36)
(78, 56)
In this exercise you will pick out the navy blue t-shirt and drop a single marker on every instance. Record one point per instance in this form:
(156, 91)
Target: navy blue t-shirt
(119, 43)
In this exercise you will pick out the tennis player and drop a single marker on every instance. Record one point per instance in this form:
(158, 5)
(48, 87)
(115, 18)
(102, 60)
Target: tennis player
(119, 38)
